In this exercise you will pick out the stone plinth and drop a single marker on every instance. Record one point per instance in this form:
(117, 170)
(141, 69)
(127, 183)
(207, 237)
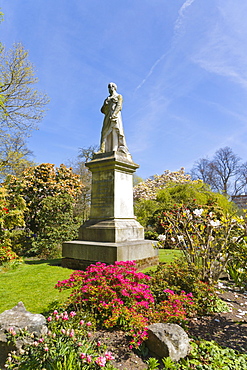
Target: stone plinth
(112, 216)
(112, 232)
(78, 254)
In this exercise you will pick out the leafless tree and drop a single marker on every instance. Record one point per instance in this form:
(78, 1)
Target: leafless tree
(240, 185)
(224, 173)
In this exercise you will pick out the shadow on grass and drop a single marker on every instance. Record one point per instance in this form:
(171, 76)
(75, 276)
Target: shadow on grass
(165, 255)
(52, 262)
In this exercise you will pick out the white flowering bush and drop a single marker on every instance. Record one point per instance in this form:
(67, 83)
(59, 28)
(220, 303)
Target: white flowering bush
(148, 189)
(208, 237)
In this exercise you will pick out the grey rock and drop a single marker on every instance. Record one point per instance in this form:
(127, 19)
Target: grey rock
(168, 340)
(18, 318)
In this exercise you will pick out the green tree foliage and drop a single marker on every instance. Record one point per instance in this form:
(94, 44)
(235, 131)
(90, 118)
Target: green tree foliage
(51, 195)
(56, 223)
(147, 210)
(137, 180)
(21, 106)
(184, 193)
(14, 156)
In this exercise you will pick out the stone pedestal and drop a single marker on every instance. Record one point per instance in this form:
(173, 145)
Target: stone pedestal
(112, 232)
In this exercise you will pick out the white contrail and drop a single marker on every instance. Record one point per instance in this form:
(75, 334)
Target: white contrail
(181, 12)
(151, 71)
(178, 24)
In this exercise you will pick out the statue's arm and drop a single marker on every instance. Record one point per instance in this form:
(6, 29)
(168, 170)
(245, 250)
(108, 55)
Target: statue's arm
(104, 108)
(118, 106)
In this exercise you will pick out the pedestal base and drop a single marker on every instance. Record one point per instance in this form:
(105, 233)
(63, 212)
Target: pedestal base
(79, 254)
(113, 231)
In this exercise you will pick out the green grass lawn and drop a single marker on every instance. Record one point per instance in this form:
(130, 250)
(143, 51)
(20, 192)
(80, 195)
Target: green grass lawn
(167, 255)
(33, 283)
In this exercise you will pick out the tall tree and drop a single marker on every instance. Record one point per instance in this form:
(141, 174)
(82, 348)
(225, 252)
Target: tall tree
(14, 156)
(21, 106)
(50, 193)
(224, 173)
(240, 186)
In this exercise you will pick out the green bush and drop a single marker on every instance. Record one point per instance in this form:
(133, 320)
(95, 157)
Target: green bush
(144, 210)
(237, 263)
(179, 276)
(151, 235)
(51, 195)
(196, 190)
(208, 355)
(56, 223)
(148, 211)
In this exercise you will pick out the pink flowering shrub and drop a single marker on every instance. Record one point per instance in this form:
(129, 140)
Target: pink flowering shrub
(175, 308)
(116, 294)
(120, 297)
(133, 323)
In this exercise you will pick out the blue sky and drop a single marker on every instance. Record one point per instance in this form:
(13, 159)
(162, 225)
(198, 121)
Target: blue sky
(181, 66)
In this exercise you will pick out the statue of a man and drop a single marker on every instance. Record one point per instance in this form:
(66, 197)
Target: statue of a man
(112, 134)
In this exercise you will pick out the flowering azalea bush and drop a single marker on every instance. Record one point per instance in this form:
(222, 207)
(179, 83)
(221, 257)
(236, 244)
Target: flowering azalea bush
(66, 345)
(206, 236)
(175, 308)
(120, 297)
(11, 218)
(6, 254)
(116, 294)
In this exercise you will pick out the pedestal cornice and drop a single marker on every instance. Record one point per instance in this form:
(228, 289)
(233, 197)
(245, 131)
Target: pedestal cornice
(112, 160)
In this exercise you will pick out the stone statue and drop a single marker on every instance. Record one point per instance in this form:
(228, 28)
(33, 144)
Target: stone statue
(112, 134)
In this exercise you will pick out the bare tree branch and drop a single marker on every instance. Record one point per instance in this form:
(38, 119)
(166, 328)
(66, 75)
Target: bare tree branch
(224, 173)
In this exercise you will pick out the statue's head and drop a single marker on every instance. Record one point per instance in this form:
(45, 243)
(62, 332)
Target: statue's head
(113, 86)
